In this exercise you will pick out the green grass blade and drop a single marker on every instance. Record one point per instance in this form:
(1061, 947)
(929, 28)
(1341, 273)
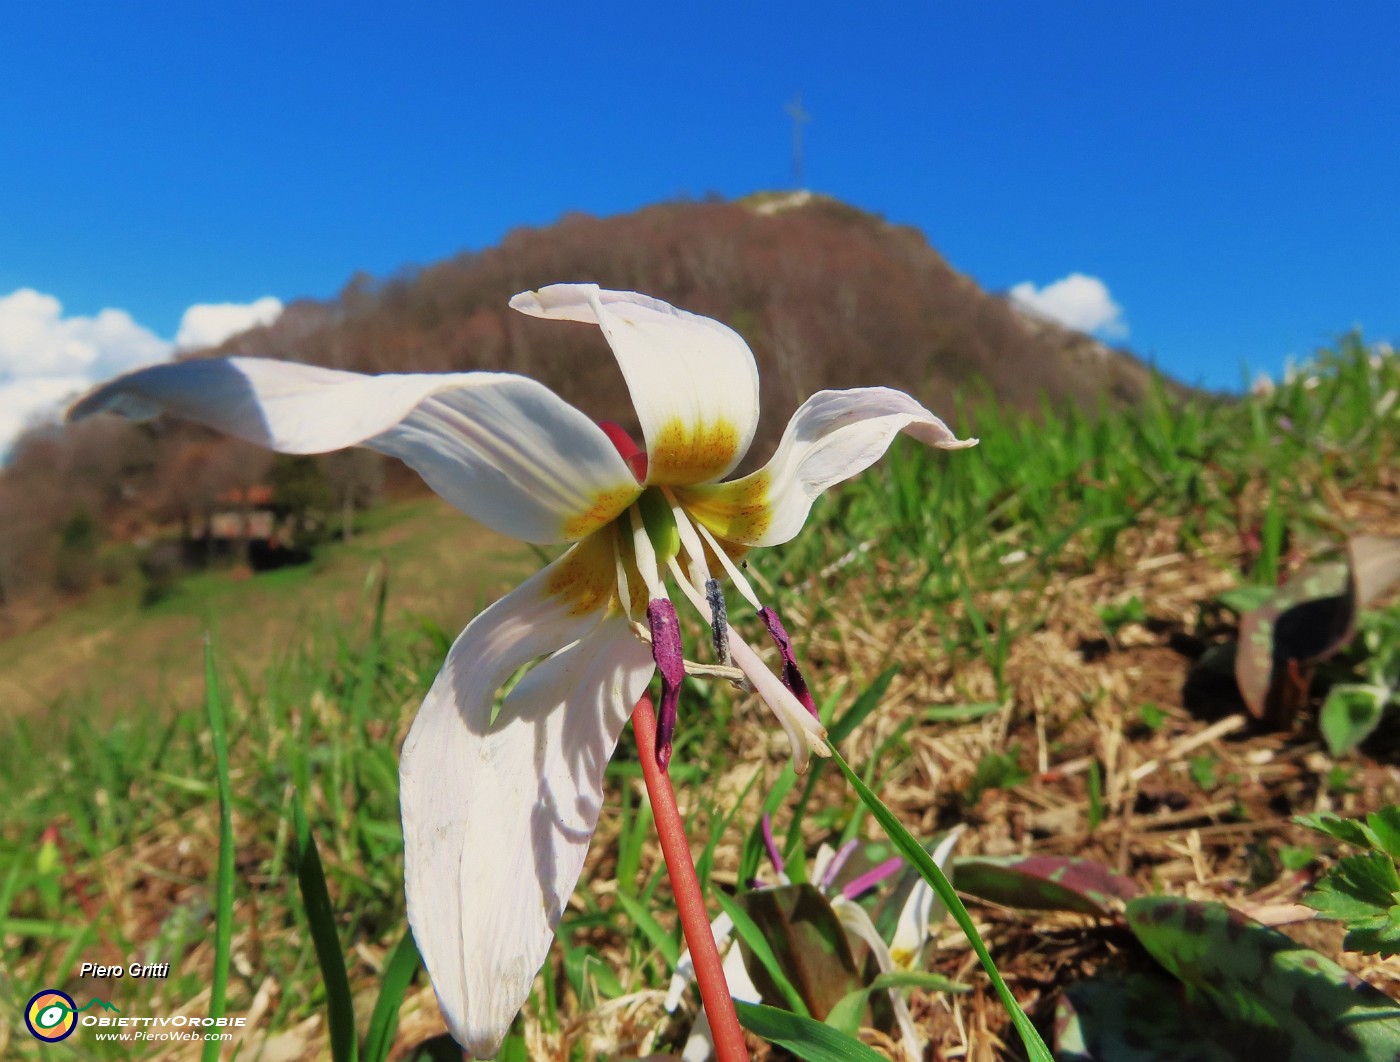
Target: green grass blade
(807, 1038)
(223, 881)
(839, 730)
(653, 930)
(316, 900)
(866, 703)
(398, 975)
(914, 852)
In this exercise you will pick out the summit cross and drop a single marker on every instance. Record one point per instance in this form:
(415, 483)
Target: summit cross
(799, 117)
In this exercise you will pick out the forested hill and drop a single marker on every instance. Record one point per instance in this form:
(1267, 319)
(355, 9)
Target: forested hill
(827, 296)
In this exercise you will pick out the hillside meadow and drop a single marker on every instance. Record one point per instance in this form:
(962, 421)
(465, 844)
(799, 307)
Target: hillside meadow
(1022, 639)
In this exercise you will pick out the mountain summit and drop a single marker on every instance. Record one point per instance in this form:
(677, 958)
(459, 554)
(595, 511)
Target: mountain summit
(826, 294)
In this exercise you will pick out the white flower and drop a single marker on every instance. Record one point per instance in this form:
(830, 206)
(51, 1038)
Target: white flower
(920, 911)
(497, 813)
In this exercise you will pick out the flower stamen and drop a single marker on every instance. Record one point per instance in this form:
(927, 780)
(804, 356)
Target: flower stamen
(690, 542)
(666, 650)
(792, 675)
(730, 568)
(719, 620)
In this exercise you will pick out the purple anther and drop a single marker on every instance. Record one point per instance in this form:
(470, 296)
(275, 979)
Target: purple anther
(871, 878)
(670, 661)
(837, 862)
(773, 853)
(792, 677)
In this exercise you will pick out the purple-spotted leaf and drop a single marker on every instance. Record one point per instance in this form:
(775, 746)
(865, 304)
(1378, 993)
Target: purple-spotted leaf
(1143, 1018)
(1305, 621)
(808, 944)
(1259, 978)
(1045, 883)
(1302, 622)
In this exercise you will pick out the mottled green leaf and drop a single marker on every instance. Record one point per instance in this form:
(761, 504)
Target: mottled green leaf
(1349, 715)
(1302, 1003)
(807, 943)
(1303, 621)
(1307, 620)
(762, 963)
(1044, 883)
(1143, 1018)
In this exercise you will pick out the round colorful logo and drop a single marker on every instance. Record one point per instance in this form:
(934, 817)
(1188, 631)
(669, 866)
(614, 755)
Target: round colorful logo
(51, 1015)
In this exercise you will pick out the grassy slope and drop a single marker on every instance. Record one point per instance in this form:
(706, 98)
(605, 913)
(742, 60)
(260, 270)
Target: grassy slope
(984, 576)
(110, 653)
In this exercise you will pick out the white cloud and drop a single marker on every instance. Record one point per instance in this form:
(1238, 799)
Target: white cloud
(47, 358)
(32, 399)
(36, 340)
(1076, 301)
(209, 324)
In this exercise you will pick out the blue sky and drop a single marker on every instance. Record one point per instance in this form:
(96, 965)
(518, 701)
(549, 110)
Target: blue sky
(1226, 171)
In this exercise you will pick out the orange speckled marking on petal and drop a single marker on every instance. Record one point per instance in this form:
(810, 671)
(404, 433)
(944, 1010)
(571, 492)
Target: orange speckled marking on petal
(682, 454)
(738, 511)
(607, 506)
(586, 578)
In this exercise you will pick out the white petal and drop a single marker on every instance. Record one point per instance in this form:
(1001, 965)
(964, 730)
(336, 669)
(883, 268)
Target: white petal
(831, 437)
(693, 380)
(858, 924)
(497, 816)
(817, 872)
(502, 448)
(922, 908)
(805, 734)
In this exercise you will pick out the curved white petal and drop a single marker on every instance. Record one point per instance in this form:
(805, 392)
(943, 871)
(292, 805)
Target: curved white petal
(857, 923)
(922, 908)
(497, 816)
(831, 437)
(693, 380)
(805, 734)
(502, 448)
(816, 873)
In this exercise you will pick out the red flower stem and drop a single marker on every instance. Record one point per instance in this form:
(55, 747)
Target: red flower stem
(685, 886)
